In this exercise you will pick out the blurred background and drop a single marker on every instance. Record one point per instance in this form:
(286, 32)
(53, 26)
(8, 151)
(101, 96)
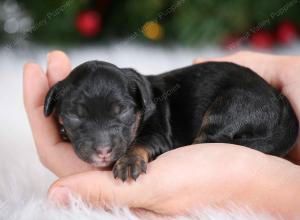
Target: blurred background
(189, 23)
(151, 36)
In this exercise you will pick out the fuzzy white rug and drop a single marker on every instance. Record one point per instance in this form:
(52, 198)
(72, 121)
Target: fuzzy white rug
(23, 180)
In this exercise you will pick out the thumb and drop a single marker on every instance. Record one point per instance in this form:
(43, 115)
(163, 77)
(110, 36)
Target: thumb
(100, 189)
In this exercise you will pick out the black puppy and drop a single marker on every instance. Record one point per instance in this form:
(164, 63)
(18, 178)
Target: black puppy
(115, 116)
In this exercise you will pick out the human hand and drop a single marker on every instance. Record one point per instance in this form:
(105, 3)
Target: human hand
(191, 178)
(224, 172)
(280, 71)
(56, 155)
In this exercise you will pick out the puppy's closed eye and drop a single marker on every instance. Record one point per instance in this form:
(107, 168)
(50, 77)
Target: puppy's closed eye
(116, 108)
(72, 120)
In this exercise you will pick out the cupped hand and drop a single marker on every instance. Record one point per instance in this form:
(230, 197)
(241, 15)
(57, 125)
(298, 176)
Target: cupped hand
(56, 155)
(180, 180)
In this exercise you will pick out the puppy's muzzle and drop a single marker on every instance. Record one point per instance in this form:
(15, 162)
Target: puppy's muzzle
(104, 153)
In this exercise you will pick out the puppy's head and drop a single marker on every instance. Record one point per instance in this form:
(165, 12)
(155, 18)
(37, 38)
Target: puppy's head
(101, 107)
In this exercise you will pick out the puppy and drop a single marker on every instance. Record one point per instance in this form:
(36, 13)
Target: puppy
(118, 117)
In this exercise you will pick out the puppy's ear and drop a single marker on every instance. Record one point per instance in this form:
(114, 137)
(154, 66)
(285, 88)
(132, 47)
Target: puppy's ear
(140, 89)
(53, 96)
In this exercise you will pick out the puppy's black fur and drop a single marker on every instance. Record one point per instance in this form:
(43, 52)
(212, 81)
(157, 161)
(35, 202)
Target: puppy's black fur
(136, 118)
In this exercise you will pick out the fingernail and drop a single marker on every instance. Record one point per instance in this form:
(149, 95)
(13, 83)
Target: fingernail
(60, 196)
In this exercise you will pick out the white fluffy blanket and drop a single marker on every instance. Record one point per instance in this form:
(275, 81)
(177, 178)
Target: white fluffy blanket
(23, 181)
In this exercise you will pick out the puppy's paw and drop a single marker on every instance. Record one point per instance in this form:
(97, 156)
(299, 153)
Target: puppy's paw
(129, 165)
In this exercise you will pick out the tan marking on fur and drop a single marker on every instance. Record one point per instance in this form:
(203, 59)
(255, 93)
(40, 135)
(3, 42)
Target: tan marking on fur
(205, 119)
(200, 139)
(205, 122)
(141, 152)
(201, 135)
(136, 125)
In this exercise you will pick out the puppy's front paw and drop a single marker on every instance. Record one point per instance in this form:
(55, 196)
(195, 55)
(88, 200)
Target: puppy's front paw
(129, 165)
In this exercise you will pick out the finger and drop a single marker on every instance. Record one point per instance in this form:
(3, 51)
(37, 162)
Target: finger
(59, 67)
(35, 89)
(266, 65)
(198, 60)
(292, 92)
(229, 58)
(99, 188)
(35, 86)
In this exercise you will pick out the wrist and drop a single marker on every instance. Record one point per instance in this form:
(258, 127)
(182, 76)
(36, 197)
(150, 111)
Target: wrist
(276, 188)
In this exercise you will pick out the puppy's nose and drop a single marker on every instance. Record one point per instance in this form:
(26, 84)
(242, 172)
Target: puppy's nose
(104, 152)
